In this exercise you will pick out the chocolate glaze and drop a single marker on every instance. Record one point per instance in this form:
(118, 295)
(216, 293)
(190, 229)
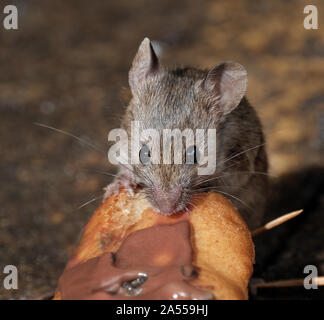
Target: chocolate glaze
(153, 263)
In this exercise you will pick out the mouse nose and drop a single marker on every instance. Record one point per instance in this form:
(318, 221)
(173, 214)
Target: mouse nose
(167, 201)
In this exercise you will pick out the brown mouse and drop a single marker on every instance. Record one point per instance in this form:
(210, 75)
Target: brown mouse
(191, 98)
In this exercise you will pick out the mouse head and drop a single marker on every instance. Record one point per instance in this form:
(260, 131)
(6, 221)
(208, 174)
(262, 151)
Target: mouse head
(181, 99)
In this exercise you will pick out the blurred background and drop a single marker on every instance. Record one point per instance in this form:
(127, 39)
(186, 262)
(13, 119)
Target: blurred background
(67, 67)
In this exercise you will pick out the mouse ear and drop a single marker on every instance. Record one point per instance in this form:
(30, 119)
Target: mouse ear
(144, 63)
(226, 83)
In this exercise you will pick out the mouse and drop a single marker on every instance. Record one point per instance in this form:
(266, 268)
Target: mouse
(169, 98)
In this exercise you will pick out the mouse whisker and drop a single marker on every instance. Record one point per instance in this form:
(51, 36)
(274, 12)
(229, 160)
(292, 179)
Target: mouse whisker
(89, 201)
(82, 141)
(191, 204)
(87, 143)
(143, 174)
(233, 173)
(202, 189)
(100, 172)
(230, 195)
(242, 152)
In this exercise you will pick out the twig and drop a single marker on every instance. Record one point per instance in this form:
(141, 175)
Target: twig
(319, 281)
(276, 222)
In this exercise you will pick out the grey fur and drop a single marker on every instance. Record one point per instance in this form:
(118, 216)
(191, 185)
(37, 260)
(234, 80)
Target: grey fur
(178, 99)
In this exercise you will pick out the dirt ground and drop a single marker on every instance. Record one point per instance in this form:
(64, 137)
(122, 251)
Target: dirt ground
(67, 66)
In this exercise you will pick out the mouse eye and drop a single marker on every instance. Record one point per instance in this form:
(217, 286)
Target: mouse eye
(192, 155)
(145, 155)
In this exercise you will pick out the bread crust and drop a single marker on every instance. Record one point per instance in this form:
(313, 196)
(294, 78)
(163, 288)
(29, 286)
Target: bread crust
(222, 245)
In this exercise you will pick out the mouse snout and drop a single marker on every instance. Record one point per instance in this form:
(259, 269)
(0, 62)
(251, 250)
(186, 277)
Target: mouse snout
(167, 201)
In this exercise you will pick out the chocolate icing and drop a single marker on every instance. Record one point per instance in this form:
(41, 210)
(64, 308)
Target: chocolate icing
(153, 263)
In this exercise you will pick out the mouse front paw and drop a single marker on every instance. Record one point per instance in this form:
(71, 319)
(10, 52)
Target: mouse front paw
(120, 183)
